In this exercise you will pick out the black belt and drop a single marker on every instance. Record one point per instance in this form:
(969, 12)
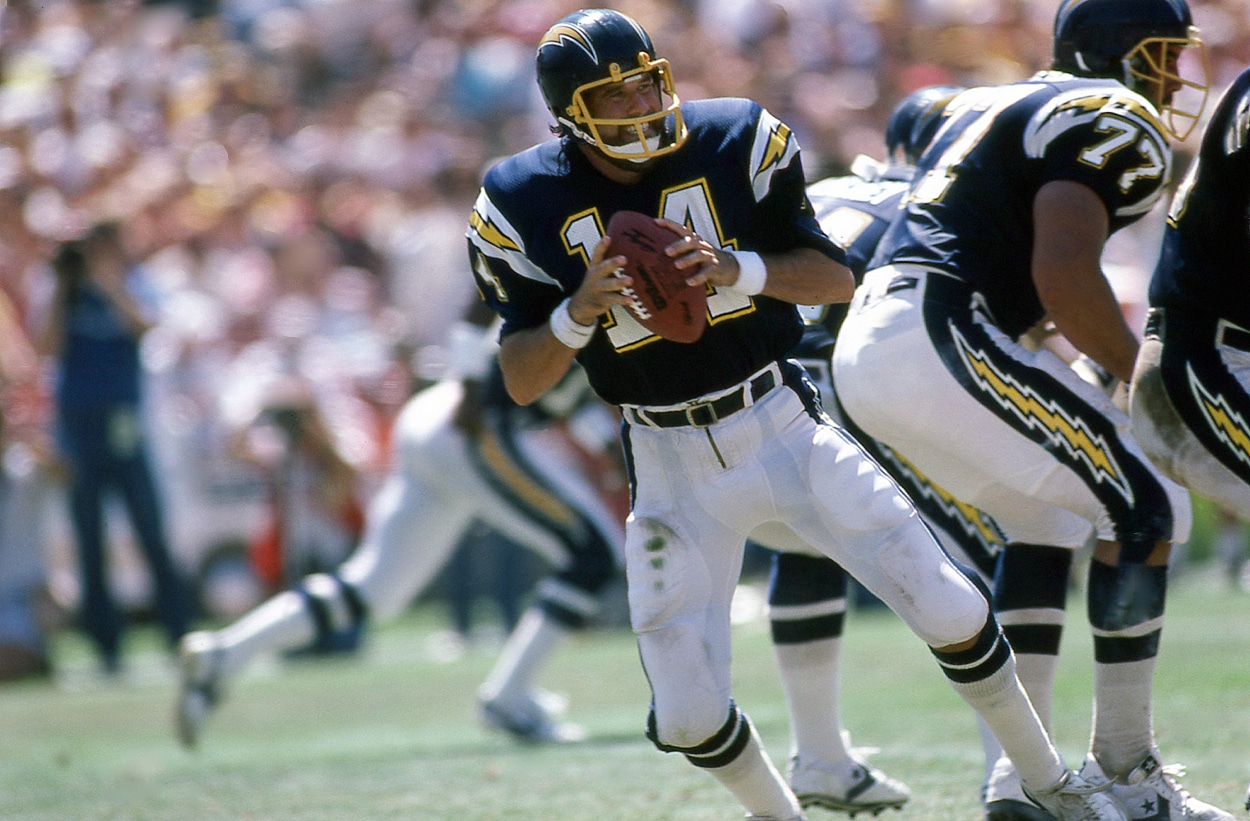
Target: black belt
(706, 414)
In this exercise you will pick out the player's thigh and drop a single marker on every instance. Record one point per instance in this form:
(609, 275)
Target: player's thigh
(682, 566)
(1172, 443)
(985, 448)
(411, 530)
(859, 516)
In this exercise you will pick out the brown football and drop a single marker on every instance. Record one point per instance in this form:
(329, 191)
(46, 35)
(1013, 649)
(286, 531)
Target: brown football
(662, 301)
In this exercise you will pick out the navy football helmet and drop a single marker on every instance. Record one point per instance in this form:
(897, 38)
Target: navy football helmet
(594, 47)
(914, 122)
(1136, 42)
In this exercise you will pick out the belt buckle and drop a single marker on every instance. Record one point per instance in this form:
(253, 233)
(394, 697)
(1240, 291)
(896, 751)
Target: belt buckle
(712, 418)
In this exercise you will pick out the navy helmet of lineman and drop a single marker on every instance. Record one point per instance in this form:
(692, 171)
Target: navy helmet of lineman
(1139, 43)
(595, 47)
(914, 122)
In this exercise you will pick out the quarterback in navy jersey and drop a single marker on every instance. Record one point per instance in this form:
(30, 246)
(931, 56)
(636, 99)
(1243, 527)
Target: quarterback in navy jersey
(545, 249)
(723, 437)
(1003, 230)
(1190, 402)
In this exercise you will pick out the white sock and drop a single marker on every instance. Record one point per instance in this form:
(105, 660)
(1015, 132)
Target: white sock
(1002, 704)
(809, 677)
(990, 747)
(279, 624)
(1123, 730)
(527, 649)
(755, 782)
(1036, 672)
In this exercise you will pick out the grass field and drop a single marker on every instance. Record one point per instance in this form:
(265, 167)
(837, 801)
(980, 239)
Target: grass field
(391, 734)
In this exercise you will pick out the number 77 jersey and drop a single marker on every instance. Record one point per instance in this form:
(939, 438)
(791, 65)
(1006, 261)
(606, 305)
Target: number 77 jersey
(970, 209)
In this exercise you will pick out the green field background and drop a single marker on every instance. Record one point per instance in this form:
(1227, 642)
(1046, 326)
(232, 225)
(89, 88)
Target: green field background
(391, 734)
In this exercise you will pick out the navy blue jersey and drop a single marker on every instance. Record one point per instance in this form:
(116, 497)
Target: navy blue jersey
(970, 210)
(737, 181)
(1205, 262)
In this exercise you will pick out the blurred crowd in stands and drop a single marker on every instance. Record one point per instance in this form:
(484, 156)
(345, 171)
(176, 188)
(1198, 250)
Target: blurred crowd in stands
(294, 178)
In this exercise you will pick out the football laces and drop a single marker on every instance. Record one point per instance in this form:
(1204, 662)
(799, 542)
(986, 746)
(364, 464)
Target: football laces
(635, 304)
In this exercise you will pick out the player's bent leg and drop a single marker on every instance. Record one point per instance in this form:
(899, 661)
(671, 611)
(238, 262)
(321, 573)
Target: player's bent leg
(952, 615)
(510, 702)
(982, 672)
(1126, 605)
(412, 529)
(322, 614)
(510, 699)
(679, 597)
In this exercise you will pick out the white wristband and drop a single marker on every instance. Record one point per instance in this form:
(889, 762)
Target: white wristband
(566, 329)
(751, 273)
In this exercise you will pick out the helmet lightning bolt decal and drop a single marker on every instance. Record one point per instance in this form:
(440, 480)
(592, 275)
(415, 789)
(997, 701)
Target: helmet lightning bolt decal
(1073, 434)
(1226, 423)
(564, 33)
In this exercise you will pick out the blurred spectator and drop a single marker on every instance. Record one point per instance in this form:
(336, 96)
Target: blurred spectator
(93, 328)
(23, 486)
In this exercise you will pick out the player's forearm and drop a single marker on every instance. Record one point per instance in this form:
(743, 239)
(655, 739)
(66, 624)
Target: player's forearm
(805, 276)
(533, 362)
(1096, 327)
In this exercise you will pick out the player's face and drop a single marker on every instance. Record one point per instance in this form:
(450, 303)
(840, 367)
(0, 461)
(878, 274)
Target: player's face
(635, 97)
(1158, 65)
(1171, 56)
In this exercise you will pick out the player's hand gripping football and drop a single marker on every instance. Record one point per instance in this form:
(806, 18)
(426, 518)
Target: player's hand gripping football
(703, 261)
(605, 285)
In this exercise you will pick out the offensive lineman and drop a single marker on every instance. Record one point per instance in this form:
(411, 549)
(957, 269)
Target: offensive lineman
(721, 436)
(1004, 227)
(1190, 400)
(1190, 397)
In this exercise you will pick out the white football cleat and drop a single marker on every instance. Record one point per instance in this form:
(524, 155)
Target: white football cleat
(1153, 792)
(850, 785)
(199, 663)
(528, 717)
(1081, 797)
(1004, 797)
